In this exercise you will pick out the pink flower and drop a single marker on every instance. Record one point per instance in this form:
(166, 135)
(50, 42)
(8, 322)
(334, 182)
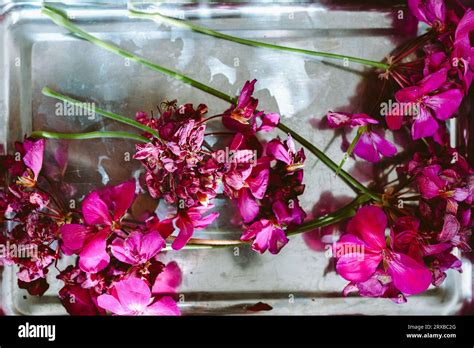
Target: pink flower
(432, 12)
(286, 153)
(138, 247)
(371, 145)
(132, 296)
(33, 162)
(189, 219)
(244, 118)
(463, 52)
(343, 119)
(430, 99)
(360, 253)
(101, 209)
(168, 280)
(447, 184)
(265, 235)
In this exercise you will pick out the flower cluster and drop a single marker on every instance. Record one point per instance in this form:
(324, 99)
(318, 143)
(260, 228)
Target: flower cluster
(30, 217)
(263, 179)
(434, 81)
(410, 239)
(117, 268)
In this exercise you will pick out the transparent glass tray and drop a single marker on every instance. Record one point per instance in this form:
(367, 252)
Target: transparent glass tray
(36, 53)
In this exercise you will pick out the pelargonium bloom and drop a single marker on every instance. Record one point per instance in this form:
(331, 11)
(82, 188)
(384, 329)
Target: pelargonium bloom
(103, 210)
(343, 119)
(132, 296)
(363, 249)
(33, 162)
(244, 118)
(429, 99)
(370, 144)
(187, 220)
(286, 153)
(432, 12)
(265, 235)
(463, 51)
(138, 247)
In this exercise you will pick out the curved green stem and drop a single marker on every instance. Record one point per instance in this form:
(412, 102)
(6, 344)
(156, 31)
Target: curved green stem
(122, 119)
(331, 165)
(329, 219)
(61, 19)
(90, 135)
(203, 30)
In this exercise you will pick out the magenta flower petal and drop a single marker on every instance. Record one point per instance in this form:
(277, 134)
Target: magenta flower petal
(258, 183)
(355, 260)
(383, 146)
(451, 227)
(424, 125)
(369, 225)
(138, 248)
(119, 198)
(95, 211)
(168, 280)
(248, 206)
(266, 235)
(408, 276)
(269, 122)
(73, 237)
(434, 81)
(93, 257)
(111, 304)
(365, 148)
(133, 293)
(445, 104)
(205, 221)
(428, 11)
(164, 306)
(276, 149)
(34, 155)
(186, 230)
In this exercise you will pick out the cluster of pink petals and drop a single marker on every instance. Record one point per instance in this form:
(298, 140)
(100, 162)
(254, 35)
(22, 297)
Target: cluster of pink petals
(118, 268)
(437, 81)
(25, 205)
(370, 144)
(264, 180)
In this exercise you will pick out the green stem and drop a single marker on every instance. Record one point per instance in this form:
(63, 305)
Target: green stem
(331, 165)
(349, 151)
(61, 19)
(50, 93)
(203, 30)
(326, 220)
(90, 135)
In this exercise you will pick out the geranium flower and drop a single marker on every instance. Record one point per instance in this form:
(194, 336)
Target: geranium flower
(189, 219)
(430, 99)
(370, 145)
(132, 296)
(265, 235)
(244, 118)
(168, 280)
(432, 12)
(363, 249)
(463, 51)
(433, 182)
(138, 247)
(286, 153)
(33, 162)
(103, 210)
